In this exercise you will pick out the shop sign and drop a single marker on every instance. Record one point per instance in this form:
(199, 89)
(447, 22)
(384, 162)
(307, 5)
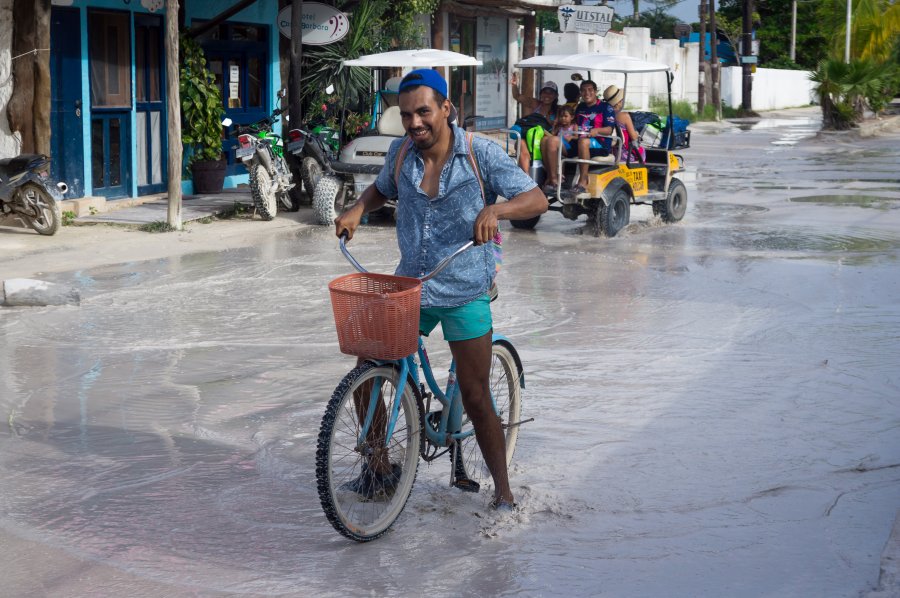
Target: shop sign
(321, 24)
(585, 19)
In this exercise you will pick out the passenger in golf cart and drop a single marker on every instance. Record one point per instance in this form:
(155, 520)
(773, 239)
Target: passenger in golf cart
(611, 174)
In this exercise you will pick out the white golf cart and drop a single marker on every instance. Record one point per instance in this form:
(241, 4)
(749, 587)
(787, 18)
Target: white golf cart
(362, 159)
(614, 184)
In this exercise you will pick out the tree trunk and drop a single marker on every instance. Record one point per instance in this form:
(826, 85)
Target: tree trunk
(714, 60)
(28, 109)
(526, 82)
(173, 97)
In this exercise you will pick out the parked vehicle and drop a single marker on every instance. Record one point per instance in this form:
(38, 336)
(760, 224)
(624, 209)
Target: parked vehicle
(615, 183)
(315, 147)
(26, 191)
(262, 152)
(362, 159)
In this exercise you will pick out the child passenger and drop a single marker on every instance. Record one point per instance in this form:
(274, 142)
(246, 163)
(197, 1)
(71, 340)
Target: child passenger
(566, 129)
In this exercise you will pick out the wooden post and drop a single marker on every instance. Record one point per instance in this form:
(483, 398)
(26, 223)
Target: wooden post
(526, 81)
(173, 98)
(701, 80)
(746, 52)
(41, 107)
(714, 60)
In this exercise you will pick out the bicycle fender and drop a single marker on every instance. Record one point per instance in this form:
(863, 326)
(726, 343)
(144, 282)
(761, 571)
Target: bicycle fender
(499, 338)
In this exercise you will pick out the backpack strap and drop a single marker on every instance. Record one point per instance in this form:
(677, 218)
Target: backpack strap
(470, 137)
(398, 161)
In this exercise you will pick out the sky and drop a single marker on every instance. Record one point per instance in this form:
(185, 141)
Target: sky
(685, 10)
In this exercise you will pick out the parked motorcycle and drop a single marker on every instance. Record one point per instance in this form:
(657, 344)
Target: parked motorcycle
(314, 148)
(25, 190)
(262, 153)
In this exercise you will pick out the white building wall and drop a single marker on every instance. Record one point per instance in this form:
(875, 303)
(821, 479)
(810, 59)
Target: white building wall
(9, 143)
(772, 88)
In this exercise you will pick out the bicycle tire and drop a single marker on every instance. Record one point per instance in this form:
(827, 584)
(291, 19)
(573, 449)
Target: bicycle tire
(339, 461)
(505, 385)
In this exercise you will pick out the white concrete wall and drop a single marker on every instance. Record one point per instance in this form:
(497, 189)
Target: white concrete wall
(636, 42)
(9, 143)
(772, 88)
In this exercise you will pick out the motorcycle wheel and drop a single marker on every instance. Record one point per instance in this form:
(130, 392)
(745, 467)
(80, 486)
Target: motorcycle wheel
(328, 200)
(310, 173)
(261, 190)
(37, 200)
(287, 199)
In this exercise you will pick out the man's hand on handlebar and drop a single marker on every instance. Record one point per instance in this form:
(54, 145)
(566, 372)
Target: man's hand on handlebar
(486, 226)
(349, 220)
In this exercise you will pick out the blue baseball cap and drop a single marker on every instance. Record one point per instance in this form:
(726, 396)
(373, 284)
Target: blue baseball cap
(427, 77)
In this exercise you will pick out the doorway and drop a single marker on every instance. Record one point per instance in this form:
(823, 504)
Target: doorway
(66, 136)
(462, 78)
(150, 98)
(109, 52)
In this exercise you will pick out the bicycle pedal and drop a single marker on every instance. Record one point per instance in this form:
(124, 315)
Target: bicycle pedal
(466, 485)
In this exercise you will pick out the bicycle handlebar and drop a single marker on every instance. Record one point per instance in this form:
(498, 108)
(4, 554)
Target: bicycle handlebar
(441, 265)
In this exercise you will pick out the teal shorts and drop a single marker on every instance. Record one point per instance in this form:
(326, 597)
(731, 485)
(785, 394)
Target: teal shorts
(460, 323)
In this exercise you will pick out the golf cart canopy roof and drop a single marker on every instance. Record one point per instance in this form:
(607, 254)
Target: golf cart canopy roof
(591, 61)
(413, 58)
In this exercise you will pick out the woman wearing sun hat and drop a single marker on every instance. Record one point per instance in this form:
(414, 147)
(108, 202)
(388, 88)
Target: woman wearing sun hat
(615, 97)
(546, 105)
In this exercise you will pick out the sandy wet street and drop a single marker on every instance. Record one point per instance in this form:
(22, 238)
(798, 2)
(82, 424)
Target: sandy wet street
(716, 403)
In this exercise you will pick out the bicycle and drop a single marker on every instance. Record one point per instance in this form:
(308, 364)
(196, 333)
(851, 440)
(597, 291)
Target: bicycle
(379, 422)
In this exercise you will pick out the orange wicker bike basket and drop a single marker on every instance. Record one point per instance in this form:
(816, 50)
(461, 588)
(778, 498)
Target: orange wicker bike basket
(376, 315)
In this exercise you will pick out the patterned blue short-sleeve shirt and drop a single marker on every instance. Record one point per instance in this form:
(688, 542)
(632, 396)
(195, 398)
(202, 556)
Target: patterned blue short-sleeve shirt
(429, 229)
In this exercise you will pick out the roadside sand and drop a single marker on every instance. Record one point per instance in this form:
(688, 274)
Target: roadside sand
(29, 255)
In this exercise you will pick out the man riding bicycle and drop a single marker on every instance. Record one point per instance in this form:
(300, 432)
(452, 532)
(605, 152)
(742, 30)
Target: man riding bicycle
(443, 202)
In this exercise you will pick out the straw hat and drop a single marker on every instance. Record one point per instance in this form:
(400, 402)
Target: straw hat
(613, 95)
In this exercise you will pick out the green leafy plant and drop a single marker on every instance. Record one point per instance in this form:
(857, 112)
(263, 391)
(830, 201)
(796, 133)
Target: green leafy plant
(157, 226)
(201, 105)
(68, 217)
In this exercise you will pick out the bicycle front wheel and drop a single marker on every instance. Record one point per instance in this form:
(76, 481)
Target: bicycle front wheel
(506, 392)
(365, 479)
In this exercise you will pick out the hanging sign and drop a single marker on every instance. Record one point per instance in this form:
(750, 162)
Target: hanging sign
(585, 19)
(321, 24)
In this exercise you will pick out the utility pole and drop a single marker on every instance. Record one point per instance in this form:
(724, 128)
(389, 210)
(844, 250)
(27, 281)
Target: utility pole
(747, 51)
(714, 59)
(173, 116)
(794, 31)
(847, 37)
(701, 75)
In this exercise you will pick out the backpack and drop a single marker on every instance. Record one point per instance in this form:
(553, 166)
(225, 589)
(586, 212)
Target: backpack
(497, 241)
(533, 120)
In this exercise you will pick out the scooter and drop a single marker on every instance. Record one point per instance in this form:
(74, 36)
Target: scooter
(262, 153)
(25, 190)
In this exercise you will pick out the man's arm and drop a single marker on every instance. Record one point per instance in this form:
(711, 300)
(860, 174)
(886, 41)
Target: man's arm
(371, 199)
(525, 205)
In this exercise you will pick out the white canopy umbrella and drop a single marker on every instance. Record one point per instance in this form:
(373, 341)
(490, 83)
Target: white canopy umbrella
(591, 61)
(424, 58)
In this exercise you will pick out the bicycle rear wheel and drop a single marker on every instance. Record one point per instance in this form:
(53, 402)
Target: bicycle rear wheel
(506, 391)
(364, 485)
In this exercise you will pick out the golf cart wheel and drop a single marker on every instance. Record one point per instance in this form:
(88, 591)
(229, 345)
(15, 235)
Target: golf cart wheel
(528, 224)
(612, 218)
(672, 209)
(328, 199)
(310, 173)
(261, 190)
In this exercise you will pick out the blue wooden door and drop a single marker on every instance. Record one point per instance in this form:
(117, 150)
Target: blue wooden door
(66, 137)
(150, 97)
(109, 49)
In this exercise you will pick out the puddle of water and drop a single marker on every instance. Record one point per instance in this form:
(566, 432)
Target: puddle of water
(862, 201)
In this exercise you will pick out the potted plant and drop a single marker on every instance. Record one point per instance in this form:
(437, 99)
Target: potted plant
(201, 119)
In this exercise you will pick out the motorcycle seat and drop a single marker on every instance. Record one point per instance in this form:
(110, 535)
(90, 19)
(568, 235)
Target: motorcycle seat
(21, 163)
